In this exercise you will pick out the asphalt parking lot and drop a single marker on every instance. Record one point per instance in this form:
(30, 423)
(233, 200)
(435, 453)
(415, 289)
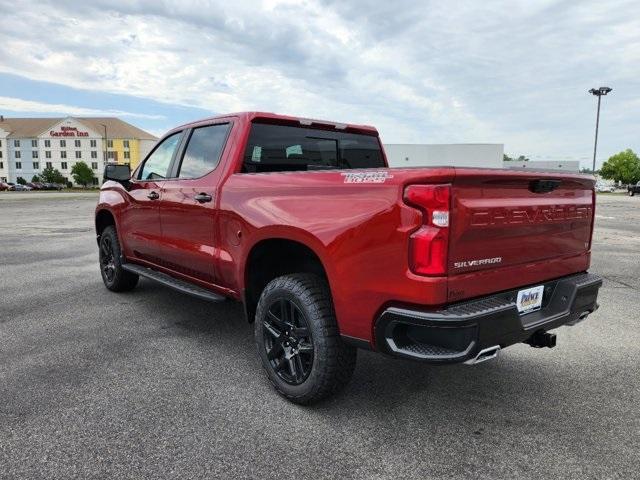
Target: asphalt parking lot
(155, 384)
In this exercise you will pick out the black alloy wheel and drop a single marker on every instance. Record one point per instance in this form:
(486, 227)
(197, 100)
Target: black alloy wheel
(107, 260)
(288, 341)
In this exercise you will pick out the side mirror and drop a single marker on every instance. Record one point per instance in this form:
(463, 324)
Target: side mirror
(117, 173)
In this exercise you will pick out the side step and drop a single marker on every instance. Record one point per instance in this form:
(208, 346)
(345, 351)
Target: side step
(176, 284)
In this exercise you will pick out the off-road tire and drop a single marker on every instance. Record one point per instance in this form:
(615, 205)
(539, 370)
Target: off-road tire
(333, 361)
(119, 280)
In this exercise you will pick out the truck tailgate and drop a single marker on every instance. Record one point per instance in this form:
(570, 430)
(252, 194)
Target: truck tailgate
(505, 218)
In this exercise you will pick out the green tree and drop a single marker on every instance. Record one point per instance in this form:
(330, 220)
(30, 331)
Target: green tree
(52, 175)
(507, 158)
(82, 174)
(35, 178)
(622, 167)
(21, 181)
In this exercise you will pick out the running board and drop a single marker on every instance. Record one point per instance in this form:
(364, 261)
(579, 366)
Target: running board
(176, 284)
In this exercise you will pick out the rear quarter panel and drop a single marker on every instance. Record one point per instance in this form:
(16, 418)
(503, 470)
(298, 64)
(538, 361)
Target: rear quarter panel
(358, 230)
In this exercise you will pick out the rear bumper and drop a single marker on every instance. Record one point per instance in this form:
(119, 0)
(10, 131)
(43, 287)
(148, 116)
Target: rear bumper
(461, 331)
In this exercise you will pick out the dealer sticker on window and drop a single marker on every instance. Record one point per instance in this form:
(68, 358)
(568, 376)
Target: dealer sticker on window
(530, 299)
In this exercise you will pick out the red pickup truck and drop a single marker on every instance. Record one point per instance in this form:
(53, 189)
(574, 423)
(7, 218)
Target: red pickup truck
(330, 250)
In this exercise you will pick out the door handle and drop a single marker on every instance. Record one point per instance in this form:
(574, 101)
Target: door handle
(202, 197)
(153, 196)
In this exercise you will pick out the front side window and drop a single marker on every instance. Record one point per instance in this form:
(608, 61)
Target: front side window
(203, 150)
(280, 148)
(157, 165)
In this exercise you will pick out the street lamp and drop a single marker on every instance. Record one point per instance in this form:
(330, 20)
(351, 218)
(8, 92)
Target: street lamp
(599, 92)
(106, 148)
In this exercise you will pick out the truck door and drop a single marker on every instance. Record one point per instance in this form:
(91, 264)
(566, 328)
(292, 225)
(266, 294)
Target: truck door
(188, 207)
(140, 222)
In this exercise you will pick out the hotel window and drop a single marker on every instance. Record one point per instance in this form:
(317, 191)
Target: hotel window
(95, 180)
(94, 143)
(63, 165)
(34, 143)
(111, 155)
(0, 153)
(63, 154)
(78, 154)
(77, 143)
(34, 153)
(94, 154)
(1, 165)
(127, 155)
(36, 165)
(19, 165)
(48, 165)
(16, 143)
(109, 143)
(94, 165)
(47, 154)
(17, 153)
(0, 143)
(63, 143)
(47, 143)
(126, 144)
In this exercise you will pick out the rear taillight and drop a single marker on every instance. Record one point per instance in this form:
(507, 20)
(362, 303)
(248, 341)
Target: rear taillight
(429, 245)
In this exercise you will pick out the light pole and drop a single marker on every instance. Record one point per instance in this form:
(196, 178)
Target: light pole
(599, 92)
(106, 142)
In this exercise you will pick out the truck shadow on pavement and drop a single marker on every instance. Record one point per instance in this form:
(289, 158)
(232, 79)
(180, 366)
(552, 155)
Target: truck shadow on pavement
(381, 385)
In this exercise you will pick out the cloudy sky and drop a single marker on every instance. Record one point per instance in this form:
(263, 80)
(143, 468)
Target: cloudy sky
(512, 72)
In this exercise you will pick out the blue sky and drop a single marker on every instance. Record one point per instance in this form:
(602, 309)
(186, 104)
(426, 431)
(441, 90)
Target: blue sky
(512, 72)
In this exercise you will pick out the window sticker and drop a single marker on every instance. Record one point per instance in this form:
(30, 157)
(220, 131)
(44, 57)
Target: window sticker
(294, 150)
(256, 155)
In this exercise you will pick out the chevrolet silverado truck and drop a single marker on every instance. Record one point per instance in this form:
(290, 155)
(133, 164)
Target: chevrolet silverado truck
(329, 250)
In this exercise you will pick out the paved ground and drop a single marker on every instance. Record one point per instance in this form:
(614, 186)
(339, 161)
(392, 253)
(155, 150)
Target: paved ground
(155, 384)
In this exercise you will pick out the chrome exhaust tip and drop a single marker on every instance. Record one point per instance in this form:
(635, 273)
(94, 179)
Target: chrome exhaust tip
(484, 355)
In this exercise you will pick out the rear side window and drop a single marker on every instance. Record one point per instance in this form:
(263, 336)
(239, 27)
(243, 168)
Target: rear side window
(157, 165)
(203, 151)
(279, 148)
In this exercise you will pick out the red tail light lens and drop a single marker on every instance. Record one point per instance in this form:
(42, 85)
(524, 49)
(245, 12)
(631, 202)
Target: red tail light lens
(429, 245)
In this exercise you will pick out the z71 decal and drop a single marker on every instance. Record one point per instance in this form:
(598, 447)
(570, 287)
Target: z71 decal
(366, 177)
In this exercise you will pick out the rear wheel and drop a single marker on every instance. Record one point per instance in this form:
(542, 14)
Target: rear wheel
(631, 193)
(115, 278)
(298, 340)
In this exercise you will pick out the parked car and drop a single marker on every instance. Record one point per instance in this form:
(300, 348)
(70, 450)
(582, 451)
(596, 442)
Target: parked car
(328, 249)
(605, 187)
(22, 188)
(35, 185)
(12, 186)
(4, 186)
(633, 189)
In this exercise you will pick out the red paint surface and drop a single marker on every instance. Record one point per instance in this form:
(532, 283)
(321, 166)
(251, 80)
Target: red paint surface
(360, 231)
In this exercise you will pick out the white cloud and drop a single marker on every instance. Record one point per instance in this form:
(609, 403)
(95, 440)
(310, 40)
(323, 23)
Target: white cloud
(29, 106)
(515, 73)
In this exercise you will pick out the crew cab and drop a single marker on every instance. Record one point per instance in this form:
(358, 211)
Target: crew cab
(329, 250)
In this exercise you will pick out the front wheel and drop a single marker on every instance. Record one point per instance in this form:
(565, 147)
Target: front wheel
(631, 193)
(298, 340)
(115, 278)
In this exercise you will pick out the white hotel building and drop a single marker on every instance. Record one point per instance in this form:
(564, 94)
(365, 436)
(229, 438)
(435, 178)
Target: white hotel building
(29, 145)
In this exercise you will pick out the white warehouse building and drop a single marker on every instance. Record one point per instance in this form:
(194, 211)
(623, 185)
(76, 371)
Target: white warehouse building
(485, 155)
